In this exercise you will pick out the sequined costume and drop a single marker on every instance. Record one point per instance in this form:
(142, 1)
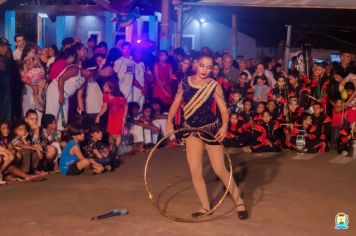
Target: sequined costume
(197, 111)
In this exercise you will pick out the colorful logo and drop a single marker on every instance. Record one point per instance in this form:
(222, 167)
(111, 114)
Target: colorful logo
(341, 221)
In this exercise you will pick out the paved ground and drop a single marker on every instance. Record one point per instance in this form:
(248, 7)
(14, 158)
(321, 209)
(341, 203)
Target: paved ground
(286, 195)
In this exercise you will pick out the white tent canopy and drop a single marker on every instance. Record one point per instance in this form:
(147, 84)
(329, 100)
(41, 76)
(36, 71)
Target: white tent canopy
(341, 4)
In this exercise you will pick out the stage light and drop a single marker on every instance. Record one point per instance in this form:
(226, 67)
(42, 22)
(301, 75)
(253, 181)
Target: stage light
(202, 20)
(43, 15)
(138, 41)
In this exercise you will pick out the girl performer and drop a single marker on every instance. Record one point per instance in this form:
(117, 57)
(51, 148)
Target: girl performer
(198, 93)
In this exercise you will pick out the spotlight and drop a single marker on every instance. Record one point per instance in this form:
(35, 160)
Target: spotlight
(43, 15)
(138, 41)
(202, 20)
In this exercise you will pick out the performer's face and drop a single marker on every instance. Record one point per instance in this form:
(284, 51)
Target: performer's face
(205, 65)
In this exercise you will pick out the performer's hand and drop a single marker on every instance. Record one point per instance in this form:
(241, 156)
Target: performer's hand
(169, 128)
(221, 134)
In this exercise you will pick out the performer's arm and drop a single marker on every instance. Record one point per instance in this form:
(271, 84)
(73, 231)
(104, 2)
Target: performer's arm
(219, 98)
(174, 108)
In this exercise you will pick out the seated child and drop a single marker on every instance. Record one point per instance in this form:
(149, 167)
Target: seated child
(257, 118)
(260, 91)
(313, 143)
(236, 104)
(276, 113)
(160, 121)
(35, 135)
(28, 154)
(337, 122)
(7, 167)
(72, 161)
(143, 130)
(323, 125)
(247, 114)
(234, 135)
(97, 151)
(266, 135)
(50, 136)
(343, 143)
(279, 93)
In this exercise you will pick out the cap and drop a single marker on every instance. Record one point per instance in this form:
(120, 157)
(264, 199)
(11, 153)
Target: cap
(89, 64)
(4, 42)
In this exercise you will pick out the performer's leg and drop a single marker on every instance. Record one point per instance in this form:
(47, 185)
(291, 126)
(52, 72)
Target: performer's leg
(195, 160)
(216, 156)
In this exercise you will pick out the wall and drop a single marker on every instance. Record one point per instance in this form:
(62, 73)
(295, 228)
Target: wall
(2, 25)
(76, 26)
(217, 36)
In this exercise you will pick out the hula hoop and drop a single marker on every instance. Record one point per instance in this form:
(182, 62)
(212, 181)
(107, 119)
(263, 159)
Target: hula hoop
(151, 197)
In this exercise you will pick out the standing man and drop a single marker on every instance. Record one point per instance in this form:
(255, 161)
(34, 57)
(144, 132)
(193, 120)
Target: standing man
(229, 72)
(127, 72)
(20, 43)
(5, 87)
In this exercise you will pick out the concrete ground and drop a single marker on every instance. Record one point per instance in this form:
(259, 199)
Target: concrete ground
(286, 195)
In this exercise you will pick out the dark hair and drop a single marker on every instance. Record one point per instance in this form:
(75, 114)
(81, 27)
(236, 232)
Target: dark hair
(91, 39)
(244, 74)
(71, 131)
(3, 123)
(164, 51)
(294, 74)
(18, 35)
(179, 51)
(146, 106)
(77, 46)
(266, 111)
(349, 86)
(159, 102)
(281, 76)
(95, 128)
(102, 44)
(318, 103)
(207, 55)
(114, 88)
(29, 112)
(126, 44)
(18, 123)
(113, 55)
(67, 41)
(305, 116)
(66, 53)
(132, 105)
(47, 119)
(247, 100)
(55, 49)
(344, 52)
(26, 50)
